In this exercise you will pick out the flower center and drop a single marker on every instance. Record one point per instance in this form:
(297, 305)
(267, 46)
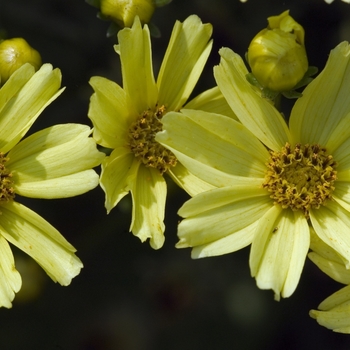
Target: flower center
(301, 178)
(7, 192)
(142, 143)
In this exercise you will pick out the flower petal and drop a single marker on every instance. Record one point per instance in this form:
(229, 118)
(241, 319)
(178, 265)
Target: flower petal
(327, 259)
(255, 112)
(20, 112)
(10, 279)
(15, 83)
(62, 187)
(116, 169)
(325, 101)
(215, 148)
(279, 250)
(183, 63)
(52, 154)
(137, 71)
(338, 143)
(211, 100)
(218, 213)
(186, 180)
(331, 224)
(341, 194)
(108, 111)
(148, 195)
(36, 237)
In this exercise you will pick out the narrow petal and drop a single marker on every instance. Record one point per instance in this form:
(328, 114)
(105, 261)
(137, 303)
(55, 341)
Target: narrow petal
(148, 195)
(15, 83)
(109, 113)
(218, 213)
(183, 63)
(325, 101)
(10, 279)
(229, 244)
(52, 154)
(215, 148)
(338, 143)
(186, 180)
(116, 169)
(36, 237)
(327, 259)
(331, 224)
(279, 251)
(213, 101)
(137, 71)
(333, 269)
(255, 112)
(341, 194)
(336, 299)
(62, 187)
(20, 112)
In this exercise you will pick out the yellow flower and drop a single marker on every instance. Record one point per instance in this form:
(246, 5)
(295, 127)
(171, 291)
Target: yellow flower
(127, 119)
(273, 181)
(277, 54)
(14, 53)
(53, 163)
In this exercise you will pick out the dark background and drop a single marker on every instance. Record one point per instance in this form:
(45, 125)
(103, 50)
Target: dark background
(128, 296)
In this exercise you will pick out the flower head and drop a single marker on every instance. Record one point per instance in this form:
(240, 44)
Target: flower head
(273, 181)
(277, 54)
(53, 163)
(127, 119)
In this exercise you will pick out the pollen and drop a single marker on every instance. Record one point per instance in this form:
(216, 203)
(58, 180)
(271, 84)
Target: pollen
(142, 142)
(7, 192)
(300, 178)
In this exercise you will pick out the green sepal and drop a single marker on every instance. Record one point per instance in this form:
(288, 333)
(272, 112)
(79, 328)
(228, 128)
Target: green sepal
(154, 30)
(113, 29)
(94, 3)
(161, 3)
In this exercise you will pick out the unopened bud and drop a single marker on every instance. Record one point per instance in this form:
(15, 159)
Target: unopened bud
(123, 12)
(14, 53)
(277, 54)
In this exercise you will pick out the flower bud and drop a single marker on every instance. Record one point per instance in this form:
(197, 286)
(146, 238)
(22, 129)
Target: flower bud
(14, 53)
(123, 12)
(277, 55)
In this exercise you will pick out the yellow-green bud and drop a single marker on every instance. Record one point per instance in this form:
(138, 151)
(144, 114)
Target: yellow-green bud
(277, 55)
(123, 12)
(14, 53)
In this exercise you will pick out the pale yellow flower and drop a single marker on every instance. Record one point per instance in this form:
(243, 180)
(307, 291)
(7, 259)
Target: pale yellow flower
(127, 119)
(273, 181)
(53, 163)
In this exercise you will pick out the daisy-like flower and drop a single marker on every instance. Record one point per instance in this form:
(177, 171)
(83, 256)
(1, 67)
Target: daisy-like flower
(127, 119)
(53, 163)
(273, 181)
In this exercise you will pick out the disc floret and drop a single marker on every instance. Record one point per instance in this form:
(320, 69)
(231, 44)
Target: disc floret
(142, 142)
(6, 183)
(301, 177)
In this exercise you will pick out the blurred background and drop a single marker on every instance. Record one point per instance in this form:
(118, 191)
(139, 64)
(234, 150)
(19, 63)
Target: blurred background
(128, 296)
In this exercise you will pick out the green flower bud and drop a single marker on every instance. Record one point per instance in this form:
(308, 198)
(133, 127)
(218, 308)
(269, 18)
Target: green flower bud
(277, 55)
(14, 53)
(123, 12)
